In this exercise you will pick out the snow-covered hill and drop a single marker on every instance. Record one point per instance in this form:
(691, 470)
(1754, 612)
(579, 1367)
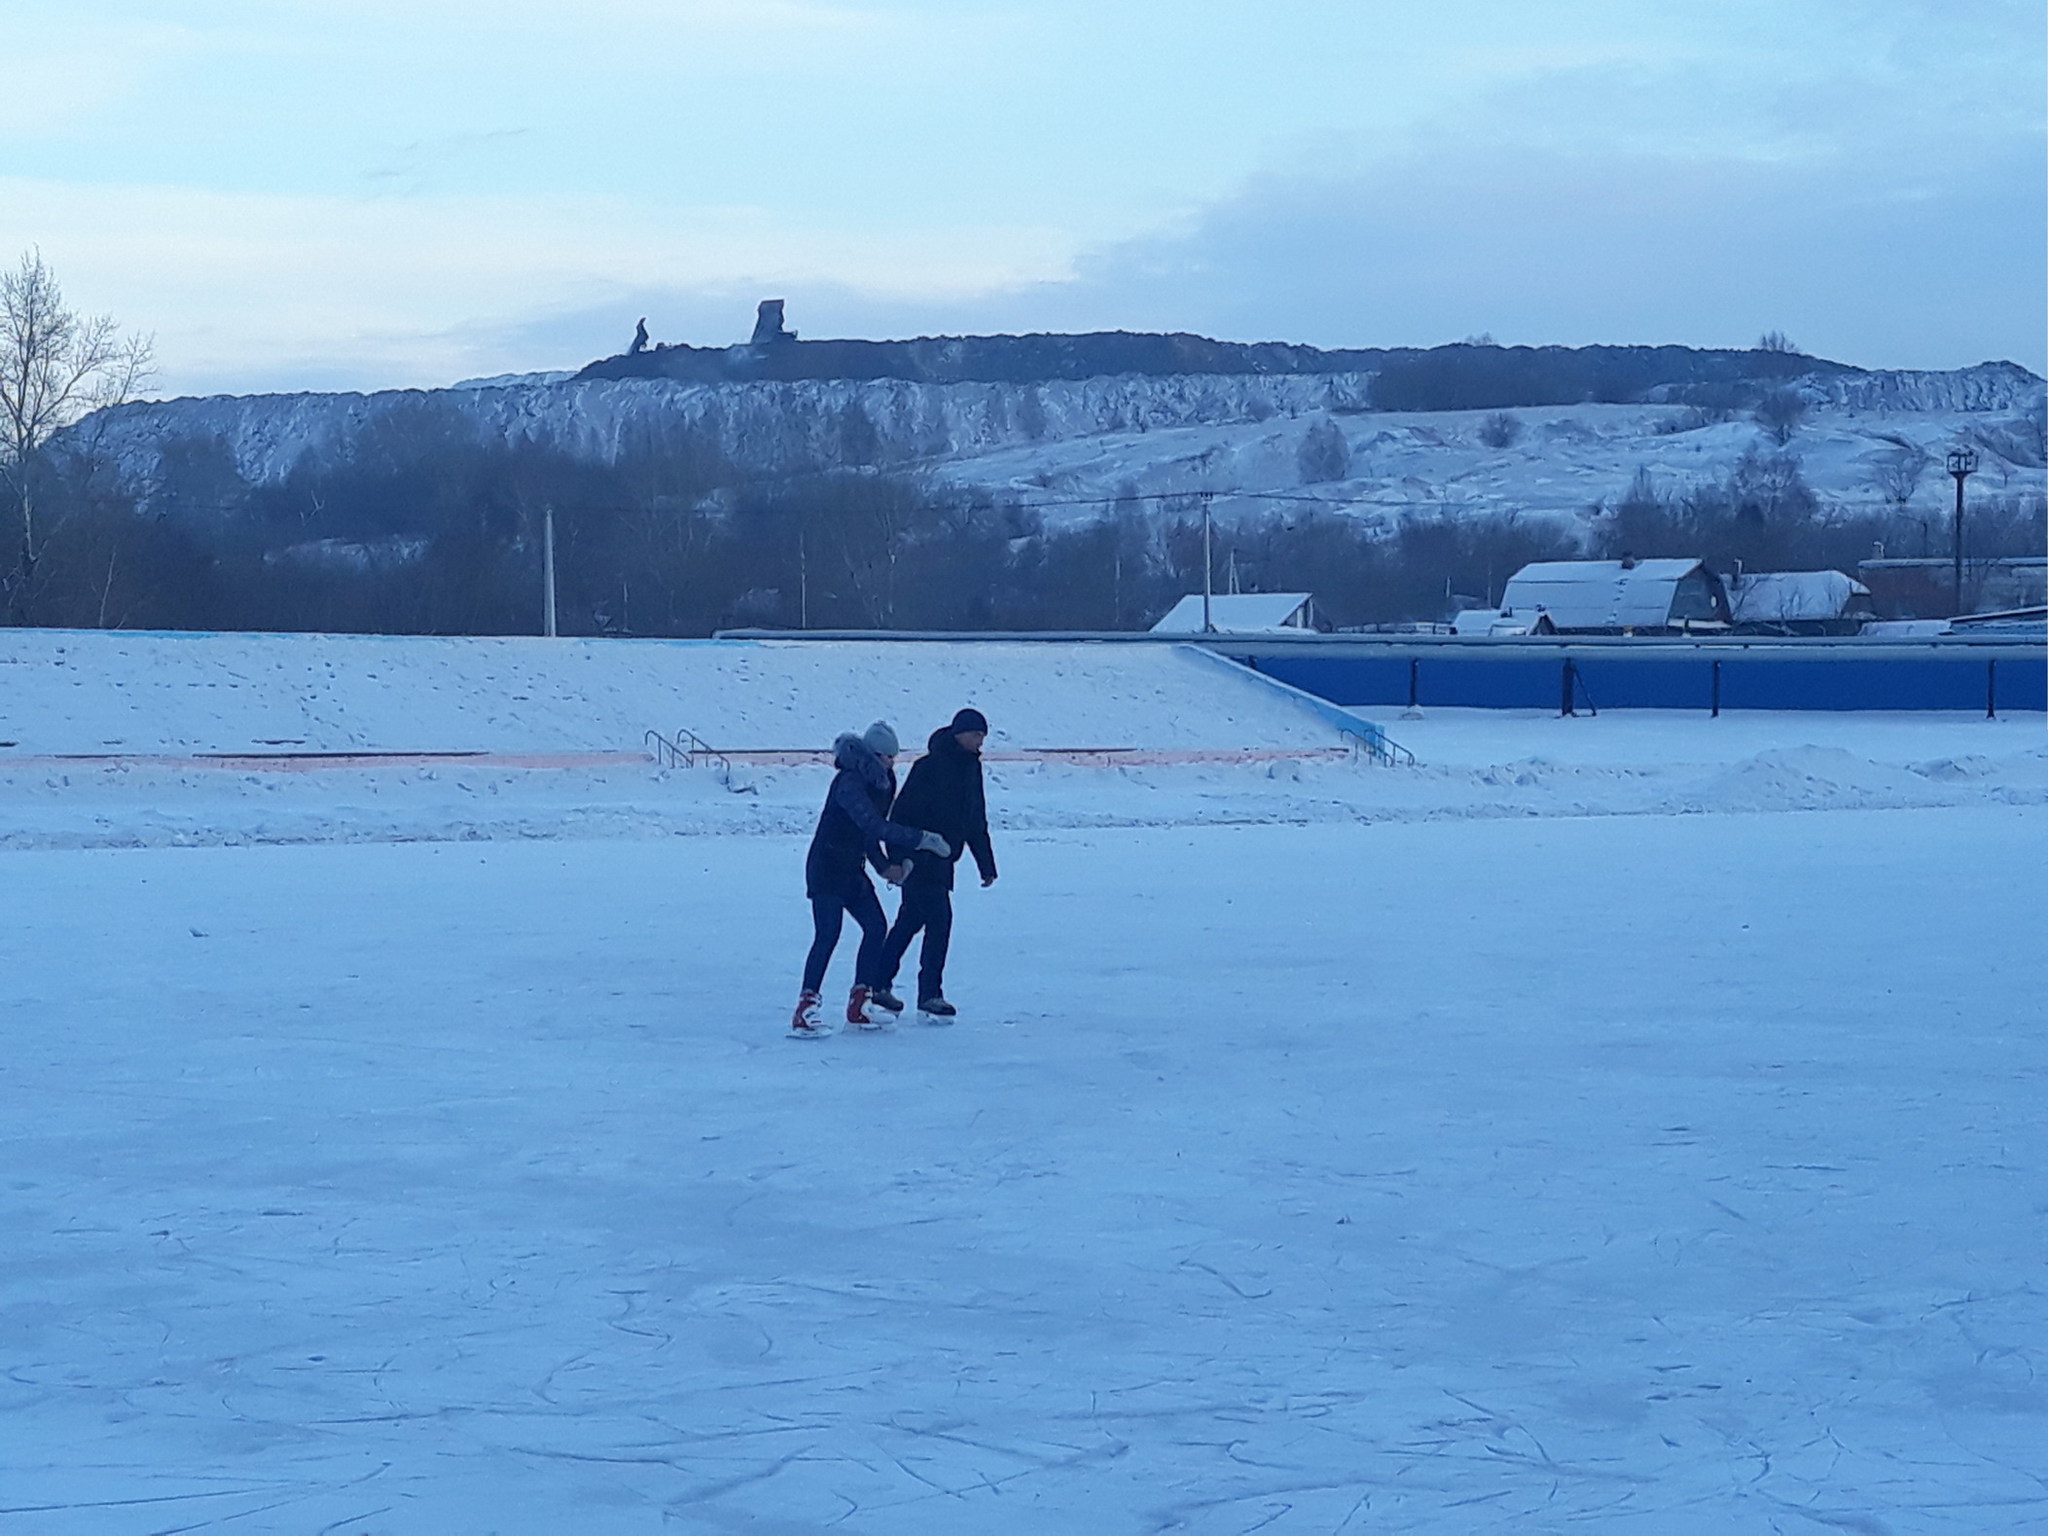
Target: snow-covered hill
(1074, 446)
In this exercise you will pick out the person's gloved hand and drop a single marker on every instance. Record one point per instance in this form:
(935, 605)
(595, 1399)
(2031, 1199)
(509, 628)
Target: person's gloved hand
(895, 872)
(931, 842)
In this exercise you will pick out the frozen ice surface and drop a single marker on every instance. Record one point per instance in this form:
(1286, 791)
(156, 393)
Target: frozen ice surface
(1627, 1173)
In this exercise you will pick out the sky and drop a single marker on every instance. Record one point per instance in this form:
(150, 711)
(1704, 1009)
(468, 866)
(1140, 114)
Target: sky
(312, 194)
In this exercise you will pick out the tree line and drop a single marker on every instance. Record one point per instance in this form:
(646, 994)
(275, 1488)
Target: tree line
(426, 528)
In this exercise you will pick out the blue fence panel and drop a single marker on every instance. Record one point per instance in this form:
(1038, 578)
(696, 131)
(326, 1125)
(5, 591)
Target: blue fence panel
(1346, 680)
(2023, 685)
(1684, 681)
(1490, 676)
(1845, 682)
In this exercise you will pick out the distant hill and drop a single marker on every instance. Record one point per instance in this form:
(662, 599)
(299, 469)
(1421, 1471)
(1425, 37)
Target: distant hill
(1464, 376)
(1041, 417)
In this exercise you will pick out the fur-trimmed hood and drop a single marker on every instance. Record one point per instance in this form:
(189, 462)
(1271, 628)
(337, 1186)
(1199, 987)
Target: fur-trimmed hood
(852, 755)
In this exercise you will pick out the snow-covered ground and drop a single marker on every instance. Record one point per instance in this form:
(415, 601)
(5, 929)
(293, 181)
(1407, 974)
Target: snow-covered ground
(1475, 765)
(105, 741)
(1626, 1124)
(1405, 463)
(1660, 1174)
(104, 691)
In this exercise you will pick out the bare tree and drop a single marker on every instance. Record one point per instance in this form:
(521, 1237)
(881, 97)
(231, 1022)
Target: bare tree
(1897, 473)
(1324, 454)
(56, 366)
(1779, 413)
(1501, 429)
(1776, 341)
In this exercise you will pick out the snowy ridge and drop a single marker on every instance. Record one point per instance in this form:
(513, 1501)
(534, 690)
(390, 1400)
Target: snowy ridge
(762, 427)
(1988, 387)
(1095, 439)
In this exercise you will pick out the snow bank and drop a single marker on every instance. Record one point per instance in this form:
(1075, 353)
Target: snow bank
(98, 692)
(1476, 765)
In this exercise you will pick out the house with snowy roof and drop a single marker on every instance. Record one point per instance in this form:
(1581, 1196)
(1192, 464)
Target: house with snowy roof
(1483, 622)
(1798, 603)
(1241, 613)
(1618, 597)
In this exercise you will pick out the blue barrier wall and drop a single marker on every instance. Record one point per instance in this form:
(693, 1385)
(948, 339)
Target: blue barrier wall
(1497, 675)
(1643, 672)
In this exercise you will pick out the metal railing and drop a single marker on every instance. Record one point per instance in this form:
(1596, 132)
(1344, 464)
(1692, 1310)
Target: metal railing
(688, 750)
(1377, 745)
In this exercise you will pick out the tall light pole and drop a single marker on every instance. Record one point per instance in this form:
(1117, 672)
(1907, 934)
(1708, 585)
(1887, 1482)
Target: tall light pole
(1962, 463)
(547, 576)
(1208, 581)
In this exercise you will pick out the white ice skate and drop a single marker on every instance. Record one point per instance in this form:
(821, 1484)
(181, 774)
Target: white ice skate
(807, 1023)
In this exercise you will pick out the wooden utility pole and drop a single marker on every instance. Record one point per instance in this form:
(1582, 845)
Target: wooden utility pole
(1208, 581)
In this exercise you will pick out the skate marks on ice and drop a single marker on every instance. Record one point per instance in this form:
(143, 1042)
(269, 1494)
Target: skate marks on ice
(457, 1189)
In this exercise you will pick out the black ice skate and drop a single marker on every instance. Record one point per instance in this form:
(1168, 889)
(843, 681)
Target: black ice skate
(936, 1010)
(884, 999)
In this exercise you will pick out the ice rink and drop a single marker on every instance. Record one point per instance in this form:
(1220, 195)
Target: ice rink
(1672, 1173)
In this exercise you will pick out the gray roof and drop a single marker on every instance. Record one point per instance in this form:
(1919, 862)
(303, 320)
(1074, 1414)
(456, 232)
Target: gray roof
(1236, 613)
(1598, 594)
(1790, 596)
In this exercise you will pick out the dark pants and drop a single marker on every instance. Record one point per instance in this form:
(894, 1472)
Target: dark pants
(827, 913)
(927, 905)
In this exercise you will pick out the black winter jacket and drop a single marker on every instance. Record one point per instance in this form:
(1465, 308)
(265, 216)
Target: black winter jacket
(943, 793)
(855, 823)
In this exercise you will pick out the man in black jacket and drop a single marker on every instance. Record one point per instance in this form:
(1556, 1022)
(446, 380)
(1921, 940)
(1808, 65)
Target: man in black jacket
(943, 794)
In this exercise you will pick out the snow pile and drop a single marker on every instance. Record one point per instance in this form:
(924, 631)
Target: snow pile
(1805, 778)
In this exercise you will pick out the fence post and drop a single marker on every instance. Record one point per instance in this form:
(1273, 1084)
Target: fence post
(1991, 688)
(1570, 676)
(1717, 689)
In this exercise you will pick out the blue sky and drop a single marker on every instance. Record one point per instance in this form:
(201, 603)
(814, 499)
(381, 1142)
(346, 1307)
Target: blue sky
(312, 194)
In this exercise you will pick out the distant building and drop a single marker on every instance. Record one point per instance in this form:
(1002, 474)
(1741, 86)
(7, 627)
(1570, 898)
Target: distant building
(1496, 621)
(1241, 613)
(2013, 624)
(1798, 603)
(1618, 597)
(1926, 588)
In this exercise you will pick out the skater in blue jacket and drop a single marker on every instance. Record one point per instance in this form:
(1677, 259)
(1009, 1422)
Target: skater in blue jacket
(854, 830)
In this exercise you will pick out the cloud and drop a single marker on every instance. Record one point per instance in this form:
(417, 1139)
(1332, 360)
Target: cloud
(250, 290)
(53, 79)
(1854, 260)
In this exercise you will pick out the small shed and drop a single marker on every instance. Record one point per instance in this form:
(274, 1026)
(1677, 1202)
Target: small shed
(1798, 603)
(1614, 597)
(1241, 613)
(1500, 621)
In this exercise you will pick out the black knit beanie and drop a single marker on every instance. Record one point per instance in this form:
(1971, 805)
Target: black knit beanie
(969, 720)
